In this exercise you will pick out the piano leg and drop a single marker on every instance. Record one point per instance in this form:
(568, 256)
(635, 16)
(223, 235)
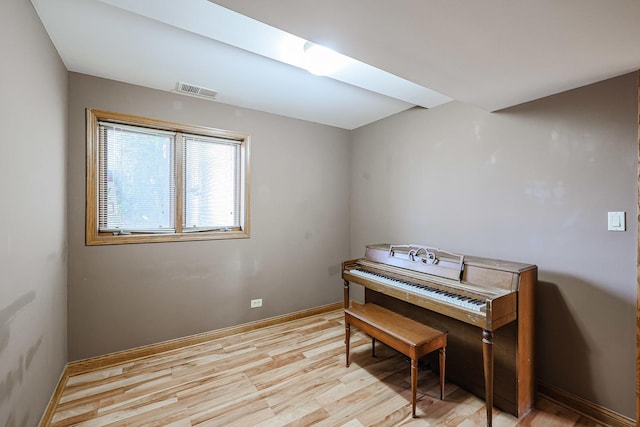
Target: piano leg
(347, 339)
(487, 357)
(346, 294)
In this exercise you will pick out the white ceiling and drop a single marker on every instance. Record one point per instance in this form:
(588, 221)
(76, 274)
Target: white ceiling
(491, 53)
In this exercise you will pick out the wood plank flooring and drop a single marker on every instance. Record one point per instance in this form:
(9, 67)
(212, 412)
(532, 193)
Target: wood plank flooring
(292, 374)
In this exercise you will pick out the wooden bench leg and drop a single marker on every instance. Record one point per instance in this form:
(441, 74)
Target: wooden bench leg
(442, 371)
(414, 385)
(373, 347)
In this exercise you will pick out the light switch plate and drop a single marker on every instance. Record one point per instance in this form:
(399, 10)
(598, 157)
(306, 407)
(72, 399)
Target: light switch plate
(617, 221)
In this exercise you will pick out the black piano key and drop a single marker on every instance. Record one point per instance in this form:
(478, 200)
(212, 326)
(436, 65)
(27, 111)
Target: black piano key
(447, 294)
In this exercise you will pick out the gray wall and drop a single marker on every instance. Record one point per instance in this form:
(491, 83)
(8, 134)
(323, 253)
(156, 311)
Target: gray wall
(125, 296)
(534, 184)
(33, 278)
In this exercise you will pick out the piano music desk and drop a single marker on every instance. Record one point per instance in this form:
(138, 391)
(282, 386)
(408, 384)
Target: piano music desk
(411, 338)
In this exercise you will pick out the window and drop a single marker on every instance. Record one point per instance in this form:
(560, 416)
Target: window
(155, 181)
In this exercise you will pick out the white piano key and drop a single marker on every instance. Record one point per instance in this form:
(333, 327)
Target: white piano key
(432, 293)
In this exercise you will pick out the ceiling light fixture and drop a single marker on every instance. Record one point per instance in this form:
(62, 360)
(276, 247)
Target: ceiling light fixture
(322, 61)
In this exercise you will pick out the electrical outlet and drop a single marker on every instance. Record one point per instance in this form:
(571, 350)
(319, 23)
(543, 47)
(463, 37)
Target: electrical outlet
(255, 303)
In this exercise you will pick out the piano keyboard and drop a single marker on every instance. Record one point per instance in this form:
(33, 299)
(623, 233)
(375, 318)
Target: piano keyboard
(432, 293)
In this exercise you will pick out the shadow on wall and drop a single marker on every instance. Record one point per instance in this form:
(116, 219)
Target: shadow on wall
(563, 353)
(17, 366)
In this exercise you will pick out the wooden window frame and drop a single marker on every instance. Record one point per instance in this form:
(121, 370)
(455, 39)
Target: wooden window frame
(95, 237)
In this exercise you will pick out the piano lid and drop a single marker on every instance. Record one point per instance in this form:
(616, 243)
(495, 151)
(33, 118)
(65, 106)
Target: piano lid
(420, 258)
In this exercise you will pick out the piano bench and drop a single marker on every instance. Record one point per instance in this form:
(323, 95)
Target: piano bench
(411, 338)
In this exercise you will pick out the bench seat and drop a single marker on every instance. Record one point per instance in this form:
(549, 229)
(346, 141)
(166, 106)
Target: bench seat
(409, 337)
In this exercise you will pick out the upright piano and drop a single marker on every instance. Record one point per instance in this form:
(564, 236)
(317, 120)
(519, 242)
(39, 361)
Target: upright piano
(486, 305)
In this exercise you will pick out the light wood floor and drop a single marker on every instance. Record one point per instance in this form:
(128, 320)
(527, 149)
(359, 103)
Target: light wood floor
(292, 374)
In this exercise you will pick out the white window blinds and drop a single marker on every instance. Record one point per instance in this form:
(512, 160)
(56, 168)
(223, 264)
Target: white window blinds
(136, 183)
(212, 183)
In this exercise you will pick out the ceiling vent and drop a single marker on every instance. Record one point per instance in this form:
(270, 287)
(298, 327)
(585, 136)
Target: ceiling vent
(198, 91)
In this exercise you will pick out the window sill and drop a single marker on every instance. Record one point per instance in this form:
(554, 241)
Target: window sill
(126, 239)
